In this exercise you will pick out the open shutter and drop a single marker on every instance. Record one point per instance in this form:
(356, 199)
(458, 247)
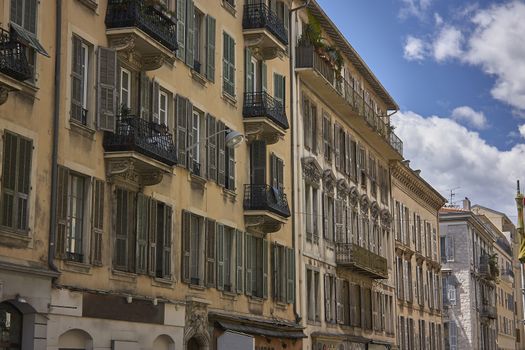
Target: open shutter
(290, 275)
(286, 18)
(190, 30)
(248, 259)
(62, 188)
(155, 89)
(142, 222)
(186, 231)
(220, 257)
(166, 258)
(76, 79)
(231, 168)
(221, 154)
(212, 148)
(181, 29)
(106, 89)
(264, 76)
(258, 162)
(280, 174)
(325, 215)
(327, 300)
(249, 75)
(210, 48)
(145, 96)
(190, 143)
(348, 155)
(339, 301)
(337, 149)
(239, 256)
(275, 271)
(97, 222)
(273, 170)
(265, 268)
(182, 129)
(210, 253)
(153, 215)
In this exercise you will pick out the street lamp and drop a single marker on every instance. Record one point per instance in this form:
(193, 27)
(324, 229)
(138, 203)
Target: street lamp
(232, 139)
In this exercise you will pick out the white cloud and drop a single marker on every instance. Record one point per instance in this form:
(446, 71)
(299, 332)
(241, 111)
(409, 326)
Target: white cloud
(416, 8)
(471, 117)
(438, 19)
(414, 49)
(451, 156)
(447, 44)
(521, 128)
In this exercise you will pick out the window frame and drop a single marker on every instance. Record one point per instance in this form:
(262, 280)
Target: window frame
(124, 71)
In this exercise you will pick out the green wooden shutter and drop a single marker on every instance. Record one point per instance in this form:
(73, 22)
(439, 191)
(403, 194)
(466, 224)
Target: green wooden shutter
(239, 256)
(249, 73)
(220, 257)
(290, 275)
(190, 142)
(210, 253)
(182, 129)
(98, 222)
(212, 147)
(153, 227)
(190, 30)
(248, 259)
(210, 48)
(181, 29)
(186, 231)
(142, 227)
(265, 262)
(62, 205)
(221, 154)
(106, 89)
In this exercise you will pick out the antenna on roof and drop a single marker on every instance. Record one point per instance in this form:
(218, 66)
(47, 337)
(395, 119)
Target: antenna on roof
(452, 195)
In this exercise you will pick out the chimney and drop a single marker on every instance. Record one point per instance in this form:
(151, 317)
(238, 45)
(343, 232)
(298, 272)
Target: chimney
(466, 203)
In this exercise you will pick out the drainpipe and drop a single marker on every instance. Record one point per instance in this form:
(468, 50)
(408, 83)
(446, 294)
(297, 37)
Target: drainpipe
(292, 132)
(54, 154)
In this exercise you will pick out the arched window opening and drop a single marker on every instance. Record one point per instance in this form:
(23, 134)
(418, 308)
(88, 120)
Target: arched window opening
(10, 327)
(193, 344)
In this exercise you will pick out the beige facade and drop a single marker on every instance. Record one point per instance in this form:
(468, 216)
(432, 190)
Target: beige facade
(417, 259)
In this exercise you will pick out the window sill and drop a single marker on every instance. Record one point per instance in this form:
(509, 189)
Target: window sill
(228, 295)
(256, 300)
(229, 99)
(197, 287)
(228, 7)
(123, 276)
(313, 323)
(281, 305)
(162, 282)
(81, 129)
(77, 267)
(197, 181)
(199, 78)
(229, 194)
(11, 239)
(91, 4)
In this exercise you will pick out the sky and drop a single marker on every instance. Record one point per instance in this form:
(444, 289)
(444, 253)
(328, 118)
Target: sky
(457, 71)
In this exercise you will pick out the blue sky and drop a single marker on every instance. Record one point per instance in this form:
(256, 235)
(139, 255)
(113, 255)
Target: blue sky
(457, 70)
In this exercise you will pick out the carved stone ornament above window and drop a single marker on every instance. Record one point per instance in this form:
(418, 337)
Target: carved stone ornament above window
(312, 171)
(386, 218)
(329, 180)
(374, 210)
(353, 196)
(196, 328)
(343, 188)
(364, 203)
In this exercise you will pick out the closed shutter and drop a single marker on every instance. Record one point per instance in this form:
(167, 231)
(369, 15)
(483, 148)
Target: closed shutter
(228, 64)
(264, 76)
(275, 272)
(210, 48)
(106, 89)
(443, 247)
(62, 188)
(337, 149)
(339, 301)
(182, 129)
(142, 227)
(221, 154)
(348, 155)
(190, 30)
(76, 79)
(339, 220)
(98, 222)
(220, 257)
(152, 238)
(307, 124)
(316, 132)
(186, 232)
(181, 29)
(248, 259)
(273, 171)
(280, 174)
(327, 299)
(278, 89)
(265, 268)
(210, 252)
(450, 246)
(258, 162)
(239, 257)
(190, 142)
(145, 96)
(231, 168)
(166, 258)
(155, 90)
(325, 216)
(249, 73)
(290, 275)
(124, 220)
(212, 147)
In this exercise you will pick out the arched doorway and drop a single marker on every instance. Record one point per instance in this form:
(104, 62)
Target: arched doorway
(193, 344)
(76, 339)
(11, 320)
(163, 342)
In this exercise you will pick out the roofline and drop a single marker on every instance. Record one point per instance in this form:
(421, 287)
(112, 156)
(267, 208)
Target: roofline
(353, 56)
(493, 211)
(466, 216)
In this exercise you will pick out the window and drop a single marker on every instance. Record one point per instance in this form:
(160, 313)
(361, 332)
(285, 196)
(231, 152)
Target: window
(328, 217)
(24, 14)
(362, 167)
(75, 217)
(79, 80)
(451, 335)
(283, 262)
(11, 321)
(279, 89)
(277, 172)
(330, 298)
(256, 266)
(447, 248)
(200, 22)
(372, 173)
(230, 261)
(193, 240)
(16, 173)
(311, 213)
(327, 138)
(355, 305)
(125, 88)
(312, 295)
(163, 108)
(228, 65)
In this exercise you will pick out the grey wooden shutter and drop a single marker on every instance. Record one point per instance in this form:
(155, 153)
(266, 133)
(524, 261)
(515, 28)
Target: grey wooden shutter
(106, 89)
(152, 238)
(264, 76)
(221, 155)
(265, 268)
(220, 257)
(325, 216)
(62, 205)
(186, 232)
(182, 129)
(210, 48)
(210, 253)
(278, 88)
(181, 29)
(76, 79)
(231, 168)
(348, 155)
(273, 171)
(258, 162)
(248, 259)
(336, 147)
(145, 96)
(275, 271)
(190, 142)
(339, 314)
(307, 124)
(190, 30)
(239, 256)
(279, 165)
(212, 147)
(166, 257)
(327, 298)
(290, 275)
(98, 222)
(248, 69)
(155, 90)
(142, 227)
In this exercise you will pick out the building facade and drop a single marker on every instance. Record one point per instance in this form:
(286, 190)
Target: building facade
(417, 259)
(160, 234)
(469, 274)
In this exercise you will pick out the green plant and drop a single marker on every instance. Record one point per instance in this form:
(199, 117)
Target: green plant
(125, 111)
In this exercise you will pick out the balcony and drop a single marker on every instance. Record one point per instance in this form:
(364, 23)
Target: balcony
(319, 74)
(264, 117)
(265, 208)
(142, 29)
(488, 311)
(487, 268)
(362, 260)
(139, 150)
(263, 31)
(14, 66)
(507, 275)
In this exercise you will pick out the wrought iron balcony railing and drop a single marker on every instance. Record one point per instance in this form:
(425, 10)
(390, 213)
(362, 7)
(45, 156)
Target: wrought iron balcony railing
(359, 258)
(488, 311)
(266, 197)
(150, 139)
(487, 269)
(261, 104)
(148, 18)
(309, 57)
(260, 16)
(13, 60)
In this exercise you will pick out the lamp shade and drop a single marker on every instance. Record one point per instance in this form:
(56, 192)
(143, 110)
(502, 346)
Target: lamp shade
(233, 138)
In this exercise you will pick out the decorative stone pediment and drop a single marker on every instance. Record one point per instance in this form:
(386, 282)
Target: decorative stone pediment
(353, 196)
(329, 180)
(374, 210)
(196, 325)
(312, 171)
(343, 188)
(364, 203)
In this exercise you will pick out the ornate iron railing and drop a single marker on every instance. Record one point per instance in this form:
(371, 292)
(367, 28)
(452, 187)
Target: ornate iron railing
(259, 16)
(150, 139)
(308, 57)
(148, 18)
(13, 60)
(266, 197)
(261, 104)
(350, 254)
